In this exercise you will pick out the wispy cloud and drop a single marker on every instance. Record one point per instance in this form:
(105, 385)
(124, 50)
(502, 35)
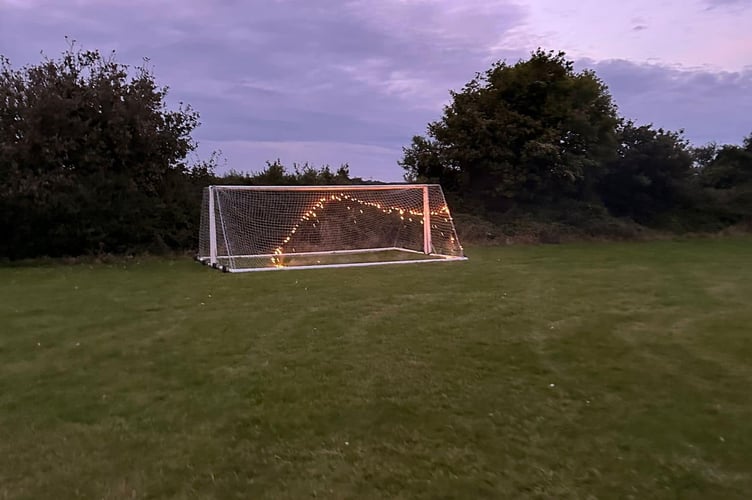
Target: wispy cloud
(710, 106)
(736, 4)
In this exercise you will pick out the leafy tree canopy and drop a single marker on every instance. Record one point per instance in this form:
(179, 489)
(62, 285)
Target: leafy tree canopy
(649, 174)
(87, 148)
(534, 130)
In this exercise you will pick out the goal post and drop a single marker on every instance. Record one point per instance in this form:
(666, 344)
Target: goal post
(259, 228)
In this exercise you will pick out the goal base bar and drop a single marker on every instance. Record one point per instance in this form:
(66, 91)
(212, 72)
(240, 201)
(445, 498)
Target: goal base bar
(350, 264)
(312, 254)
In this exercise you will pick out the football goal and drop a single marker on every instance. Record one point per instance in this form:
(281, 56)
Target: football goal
(259, 228)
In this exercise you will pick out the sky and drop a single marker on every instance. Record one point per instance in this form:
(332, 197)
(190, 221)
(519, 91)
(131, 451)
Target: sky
(352, 81)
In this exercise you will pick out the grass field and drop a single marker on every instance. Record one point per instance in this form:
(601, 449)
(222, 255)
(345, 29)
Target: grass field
(573, 371)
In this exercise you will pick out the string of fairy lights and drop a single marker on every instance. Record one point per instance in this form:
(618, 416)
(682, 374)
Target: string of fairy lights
(311, 214)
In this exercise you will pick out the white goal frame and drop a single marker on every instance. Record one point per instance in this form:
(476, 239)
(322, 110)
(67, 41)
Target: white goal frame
(428, 252)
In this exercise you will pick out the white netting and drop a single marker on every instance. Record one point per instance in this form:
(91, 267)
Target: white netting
(276, 227)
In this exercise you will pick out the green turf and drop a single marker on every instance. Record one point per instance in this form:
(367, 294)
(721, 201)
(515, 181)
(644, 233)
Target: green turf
(574, 371)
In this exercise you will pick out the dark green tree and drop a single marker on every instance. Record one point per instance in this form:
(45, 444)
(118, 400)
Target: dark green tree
(704, 155)
(727, 177)
(276, 174)
(307, 174)
(730, 167)
(650, 175)
(533, 131)
(88, 148)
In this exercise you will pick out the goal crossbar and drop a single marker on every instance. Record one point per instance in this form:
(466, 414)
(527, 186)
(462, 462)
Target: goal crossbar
(254, 228)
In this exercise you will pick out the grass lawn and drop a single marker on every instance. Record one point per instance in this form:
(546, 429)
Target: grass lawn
(573, 371)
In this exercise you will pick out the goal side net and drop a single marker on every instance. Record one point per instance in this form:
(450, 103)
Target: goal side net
(254, 228)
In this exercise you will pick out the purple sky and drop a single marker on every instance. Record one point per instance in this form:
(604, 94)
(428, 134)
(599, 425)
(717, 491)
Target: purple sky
(329, 81)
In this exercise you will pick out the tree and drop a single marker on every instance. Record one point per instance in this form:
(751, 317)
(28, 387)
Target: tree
(727, 177)
(535, 130)
(649, 175)
(87, 149)
(276, 174)
(704, 155)
(309, 175)
(731, 166)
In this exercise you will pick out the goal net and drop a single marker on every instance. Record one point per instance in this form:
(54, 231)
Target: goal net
(254, 228)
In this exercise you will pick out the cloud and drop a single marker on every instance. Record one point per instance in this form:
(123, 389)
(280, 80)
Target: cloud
(683, 32)
(714, 4)
(709, 106)
(290, 70)
(336, 81)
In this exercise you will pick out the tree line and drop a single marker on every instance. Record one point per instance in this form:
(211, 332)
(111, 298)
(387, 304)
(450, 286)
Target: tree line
(93, 160)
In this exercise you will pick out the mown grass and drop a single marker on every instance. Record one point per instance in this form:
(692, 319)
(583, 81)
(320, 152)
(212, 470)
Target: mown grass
(573, 371)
